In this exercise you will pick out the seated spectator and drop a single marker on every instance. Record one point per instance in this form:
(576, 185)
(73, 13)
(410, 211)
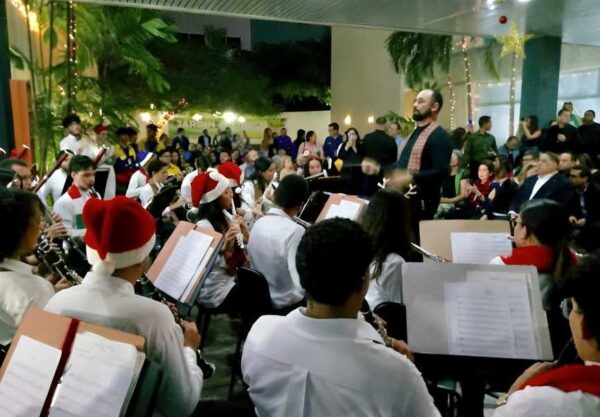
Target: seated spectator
(224, 156)
(584, 160)
(387, 220)
(530, 157)
(287, 167)
(477, 195)
(546, 184)
(566, 161)
(510, 150)
(547, 390)
(321, 360)
(503, 191)
(585, 209)
(454, 187)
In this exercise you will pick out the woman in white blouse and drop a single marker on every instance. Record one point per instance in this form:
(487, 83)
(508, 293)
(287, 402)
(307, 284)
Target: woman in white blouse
(253, 190)
(20, 222)
(386, 219)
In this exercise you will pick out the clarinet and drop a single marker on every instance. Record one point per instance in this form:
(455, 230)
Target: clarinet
(44, 252)
(370, 318)
(147, 289)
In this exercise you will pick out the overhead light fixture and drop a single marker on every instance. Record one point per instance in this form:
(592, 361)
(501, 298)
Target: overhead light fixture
(145, 117)
(197, 117)
(152, 106)
(242, 119)
(371, 120)
(347, 120)
(229, 117)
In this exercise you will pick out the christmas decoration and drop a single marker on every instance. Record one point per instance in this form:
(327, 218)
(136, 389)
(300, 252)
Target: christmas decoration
(168, 115)
(514, 42)
(503, 19)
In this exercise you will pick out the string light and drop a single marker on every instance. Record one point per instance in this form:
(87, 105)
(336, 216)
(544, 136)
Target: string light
(463, 46)
(452, 100)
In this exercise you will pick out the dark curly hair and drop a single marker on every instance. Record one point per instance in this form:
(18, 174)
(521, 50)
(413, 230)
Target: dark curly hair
(346, 242)
(17, 209)
(583, 285)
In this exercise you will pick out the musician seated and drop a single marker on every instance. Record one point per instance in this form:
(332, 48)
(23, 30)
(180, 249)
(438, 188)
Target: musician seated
(254, 188)
(56, 182)
(274, 240)
(20, 214)
(387, 220)
(211, 196)
(313, 166)
(120, 235)
(157, 170)
(139, 177)
(201, 164)
(546, 390)
(22, 177)
(322, 360)
(70, 205)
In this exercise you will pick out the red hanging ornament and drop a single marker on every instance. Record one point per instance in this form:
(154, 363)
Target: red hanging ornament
(503, 19)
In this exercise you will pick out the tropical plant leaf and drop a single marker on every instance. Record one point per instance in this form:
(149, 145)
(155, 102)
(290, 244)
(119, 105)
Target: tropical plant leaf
(490, 54)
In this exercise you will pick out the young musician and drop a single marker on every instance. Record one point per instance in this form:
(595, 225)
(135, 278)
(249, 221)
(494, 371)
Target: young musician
(70, 205)
(20, 222)
(321, 360)
(202, 164)
(549, 390)
(120, 235)
(274, 240)
(139, 177)
(55, 184)
(211, 195)
(254, 188)
(387, 220)
(21, 177)
(72, 124)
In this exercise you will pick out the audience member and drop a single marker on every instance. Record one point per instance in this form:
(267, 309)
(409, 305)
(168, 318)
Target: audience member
(480, 146)
(562, 137)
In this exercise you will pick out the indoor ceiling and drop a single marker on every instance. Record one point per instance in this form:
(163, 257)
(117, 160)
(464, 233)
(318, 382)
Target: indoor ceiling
(575, 20)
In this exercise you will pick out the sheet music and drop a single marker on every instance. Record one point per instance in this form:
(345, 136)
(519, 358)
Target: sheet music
(28, 377)
(205, 260)
(490, 317)
(478, 248)
(346, 209)
(182, 264)
(97, 378)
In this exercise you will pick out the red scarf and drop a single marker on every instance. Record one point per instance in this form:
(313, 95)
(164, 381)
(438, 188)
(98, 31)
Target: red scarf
(414, 161)
(569, 378)
(542, 257)
(74, 192)
(145, 173)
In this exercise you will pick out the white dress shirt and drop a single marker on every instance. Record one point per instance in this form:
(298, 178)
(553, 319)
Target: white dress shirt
(186, 186)
(539, 183)
(549, 402)
(19, 290)
(111, 302)
(388, 286)
(249, 201)
(69, 142)
(54, 186)
(219, 281)
(297, 366)
(69, 207)
(272, 248)
(136, 183)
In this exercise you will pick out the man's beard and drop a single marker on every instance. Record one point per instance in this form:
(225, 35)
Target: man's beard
(418, 117)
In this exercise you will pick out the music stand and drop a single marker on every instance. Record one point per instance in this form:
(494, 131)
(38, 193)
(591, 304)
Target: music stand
(161, 201)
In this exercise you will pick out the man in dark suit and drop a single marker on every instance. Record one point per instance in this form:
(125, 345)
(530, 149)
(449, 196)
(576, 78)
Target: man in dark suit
(380, 146)
(562, 137)
(585, 209)
(548, 183)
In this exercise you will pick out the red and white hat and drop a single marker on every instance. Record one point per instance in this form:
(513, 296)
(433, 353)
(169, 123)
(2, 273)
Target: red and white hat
(232, 172)
(207, 187)
(120, 233)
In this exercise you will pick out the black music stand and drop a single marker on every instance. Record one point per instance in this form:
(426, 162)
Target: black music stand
(161, 201)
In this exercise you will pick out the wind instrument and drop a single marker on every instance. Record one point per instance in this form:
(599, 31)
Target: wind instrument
(45, 253)
(428, 254)
(49, 173)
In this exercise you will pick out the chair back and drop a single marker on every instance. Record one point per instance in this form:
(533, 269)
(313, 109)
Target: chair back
(394, 314)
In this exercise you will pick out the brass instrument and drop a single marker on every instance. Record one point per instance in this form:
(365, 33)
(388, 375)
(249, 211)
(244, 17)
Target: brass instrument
(147, 289)
(428, 254)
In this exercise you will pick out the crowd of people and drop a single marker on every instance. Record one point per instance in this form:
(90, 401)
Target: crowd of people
(307, 354)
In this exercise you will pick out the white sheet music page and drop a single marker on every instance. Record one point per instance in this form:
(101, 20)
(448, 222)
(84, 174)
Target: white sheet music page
(28, 377)
(182, 264)
(490, 317)
(96, 379)
(346, 209)
(478, 248)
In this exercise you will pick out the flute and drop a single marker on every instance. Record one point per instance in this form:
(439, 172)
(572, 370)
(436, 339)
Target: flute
(301, 222)
(231, 218)
(428, 254)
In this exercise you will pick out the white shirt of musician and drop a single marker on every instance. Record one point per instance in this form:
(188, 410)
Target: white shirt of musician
(147, 195)
(70, 208)
(272, 248)
(136, 183)
(19, 290)
(249, 201)
(111, 302)
(387, 287)
(70, 142)
(297, 366)
(186, 186)
(550, 402)
(218, 282)
(53, 186)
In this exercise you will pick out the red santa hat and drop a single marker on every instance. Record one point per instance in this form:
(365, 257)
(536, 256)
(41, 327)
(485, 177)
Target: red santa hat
(100, 128)
(232, 172)
(120, 233)
(207, 187)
